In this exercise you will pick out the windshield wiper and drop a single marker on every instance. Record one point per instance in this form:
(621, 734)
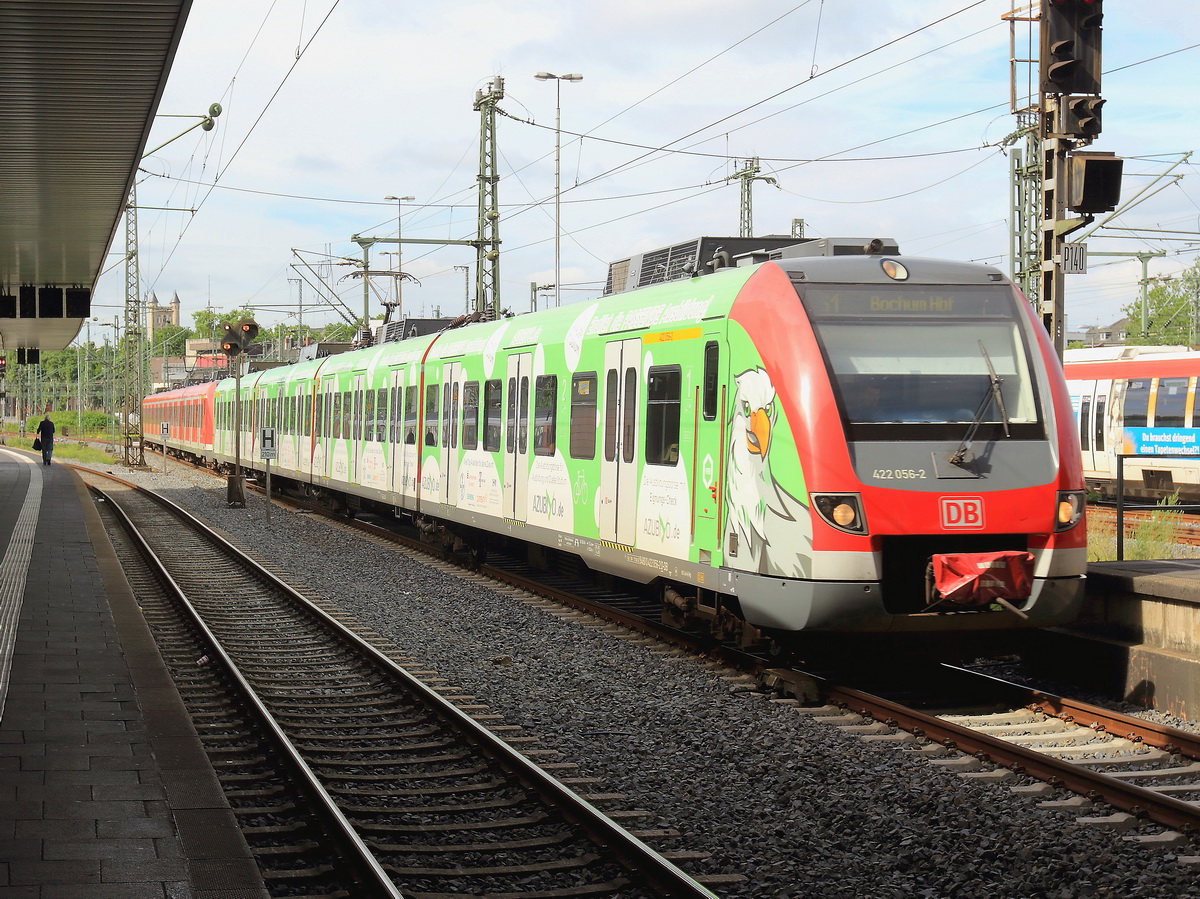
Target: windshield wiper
(992, 395)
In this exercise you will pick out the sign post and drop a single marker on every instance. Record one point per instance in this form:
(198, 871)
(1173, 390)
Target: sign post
(164, 428)
(266, 452)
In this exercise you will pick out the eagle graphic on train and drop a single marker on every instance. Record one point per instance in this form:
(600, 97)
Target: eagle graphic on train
(770, 524)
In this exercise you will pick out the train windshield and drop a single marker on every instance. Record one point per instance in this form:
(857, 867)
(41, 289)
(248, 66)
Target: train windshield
(916, 362)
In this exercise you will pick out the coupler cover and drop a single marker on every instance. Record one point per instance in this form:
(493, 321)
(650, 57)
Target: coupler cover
(979, 579)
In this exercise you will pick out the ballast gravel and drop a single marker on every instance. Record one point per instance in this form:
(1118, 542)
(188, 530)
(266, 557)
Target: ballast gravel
(795, 806)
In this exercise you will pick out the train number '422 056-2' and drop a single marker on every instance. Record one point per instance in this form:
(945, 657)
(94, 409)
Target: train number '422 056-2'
(899, 474)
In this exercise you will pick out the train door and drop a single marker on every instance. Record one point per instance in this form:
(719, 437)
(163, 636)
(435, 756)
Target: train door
(452, 379)
(618, 465)
(357, 432)
(403, 432)
(1095, 436)
(516, 437)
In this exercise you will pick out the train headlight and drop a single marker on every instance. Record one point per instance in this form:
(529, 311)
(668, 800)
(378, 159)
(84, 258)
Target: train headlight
(842, 511)
(1069, 509)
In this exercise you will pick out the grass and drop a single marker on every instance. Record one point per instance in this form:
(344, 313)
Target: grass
(1154, 537)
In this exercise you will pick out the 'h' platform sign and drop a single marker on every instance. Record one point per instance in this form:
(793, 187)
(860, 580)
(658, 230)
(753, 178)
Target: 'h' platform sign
(266, 444)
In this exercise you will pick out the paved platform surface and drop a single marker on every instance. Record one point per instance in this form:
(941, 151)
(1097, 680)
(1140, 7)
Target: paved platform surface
(105, 790)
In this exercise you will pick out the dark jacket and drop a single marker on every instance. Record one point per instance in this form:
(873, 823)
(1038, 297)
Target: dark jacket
(45, 432)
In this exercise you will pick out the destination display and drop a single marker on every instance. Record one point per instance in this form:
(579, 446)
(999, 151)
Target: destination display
(903, 301)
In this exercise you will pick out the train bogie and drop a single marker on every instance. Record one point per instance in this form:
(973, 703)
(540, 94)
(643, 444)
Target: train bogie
(785, 446)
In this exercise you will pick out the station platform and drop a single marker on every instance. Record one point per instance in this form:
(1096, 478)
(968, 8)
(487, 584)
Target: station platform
(1137, 637)
(105, 790)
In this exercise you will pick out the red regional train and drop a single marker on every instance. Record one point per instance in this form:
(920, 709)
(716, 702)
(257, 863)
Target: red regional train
(824, 436)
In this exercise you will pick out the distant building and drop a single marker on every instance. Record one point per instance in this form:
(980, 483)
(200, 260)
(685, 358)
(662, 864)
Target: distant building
(158, 316)
(1109, 335)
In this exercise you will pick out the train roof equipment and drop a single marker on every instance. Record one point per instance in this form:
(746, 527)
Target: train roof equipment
(705, 255)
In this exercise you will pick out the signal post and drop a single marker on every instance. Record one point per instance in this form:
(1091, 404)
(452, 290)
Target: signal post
(234, 340)
(1072, 181)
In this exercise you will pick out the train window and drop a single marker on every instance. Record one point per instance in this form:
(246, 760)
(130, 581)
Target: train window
(510, 440)
(712, 357)
(446, 415)
(545, 414)
(663, 390)
(583, 415)
(629, 416)
(492, 400)
(381, 419)
(431, 414)
(452, 407)
(470, 416)
(364, 415)
(1170, 403)
(410, 415)
(610, 416)
(1085, 424)
(1098, 433)
(1137, 402)
(395, 424)
(336, 431)
(523, 420)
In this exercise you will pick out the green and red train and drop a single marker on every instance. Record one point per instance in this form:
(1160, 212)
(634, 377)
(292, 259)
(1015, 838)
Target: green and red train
(805, 441)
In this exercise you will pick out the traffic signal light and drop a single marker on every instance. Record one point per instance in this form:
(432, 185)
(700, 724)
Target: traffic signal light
(1081, 116)
(3, 366)
(231, 339)
(1094, 182)
(248, 328)
(1070, 46)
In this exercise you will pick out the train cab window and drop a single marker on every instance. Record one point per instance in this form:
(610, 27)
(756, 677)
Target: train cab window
(663, 392)
(410, 415)
(1137, 402)
(492, 407)
(915, 362)
(1085, 424)
(712, 358)
(545, 414)
(470, 415)
(1170, 404)
(583, 415)
(431, 414)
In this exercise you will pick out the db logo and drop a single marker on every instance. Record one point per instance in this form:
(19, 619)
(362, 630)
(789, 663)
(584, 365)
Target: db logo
(962, 512)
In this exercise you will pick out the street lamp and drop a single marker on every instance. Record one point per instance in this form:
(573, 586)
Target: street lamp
(558, 80)
(399, 248)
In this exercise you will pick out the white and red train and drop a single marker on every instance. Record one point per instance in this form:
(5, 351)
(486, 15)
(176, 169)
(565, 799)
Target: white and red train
(1138, 402)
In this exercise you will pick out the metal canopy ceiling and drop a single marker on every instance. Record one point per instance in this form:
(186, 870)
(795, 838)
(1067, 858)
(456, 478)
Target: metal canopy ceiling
(80, 81)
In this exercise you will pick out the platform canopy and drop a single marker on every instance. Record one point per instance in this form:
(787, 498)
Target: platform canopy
(80, 82)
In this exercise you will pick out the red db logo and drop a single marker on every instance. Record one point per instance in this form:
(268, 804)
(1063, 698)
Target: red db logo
(962, 512)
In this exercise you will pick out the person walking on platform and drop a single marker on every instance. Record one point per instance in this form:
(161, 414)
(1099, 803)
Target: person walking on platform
(45, 433)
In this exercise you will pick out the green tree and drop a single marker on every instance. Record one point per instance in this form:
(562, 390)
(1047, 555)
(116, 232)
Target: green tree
(1172, 313)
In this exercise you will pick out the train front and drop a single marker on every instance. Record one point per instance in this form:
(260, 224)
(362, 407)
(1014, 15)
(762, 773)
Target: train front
(902, 457)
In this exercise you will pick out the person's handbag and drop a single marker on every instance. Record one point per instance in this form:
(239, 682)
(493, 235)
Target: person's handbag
(37, 443)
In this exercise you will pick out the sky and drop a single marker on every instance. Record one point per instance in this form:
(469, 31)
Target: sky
(870, 120)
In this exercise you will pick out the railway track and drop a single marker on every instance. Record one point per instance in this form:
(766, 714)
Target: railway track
(415, 797)
(1147, 772)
